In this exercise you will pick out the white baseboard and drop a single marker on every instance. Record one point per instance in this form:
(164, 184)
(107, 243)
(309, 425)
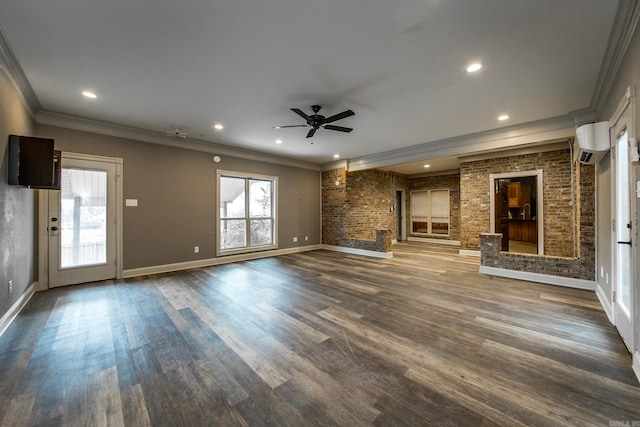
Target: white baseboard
(431, 240)
(17, 307)
(466, 252)
(636, 364)
(355, 251)
(166, 268)
(568, 282)
(394, 241)
(604, 301)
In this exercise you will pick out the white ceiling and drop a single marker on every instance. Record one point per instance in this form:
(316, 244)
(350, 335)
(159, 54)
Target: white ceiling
(400, 65)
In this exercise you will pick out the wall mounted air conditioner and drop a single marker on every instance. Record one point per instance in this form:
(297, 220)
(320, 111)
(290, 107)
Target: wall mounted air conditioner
(592, 142)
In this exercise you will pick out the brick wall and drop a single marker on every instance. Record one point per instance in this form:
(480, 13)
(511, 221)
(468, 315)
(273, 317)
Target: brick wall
(334, 206)
(580, 266)
(362, 204)
(440, 182)
(475, 205)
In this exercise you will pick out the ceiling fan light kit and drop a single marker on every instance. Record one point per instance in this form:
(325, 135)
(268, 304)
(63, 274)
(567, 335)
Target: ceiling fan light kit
(317, 121)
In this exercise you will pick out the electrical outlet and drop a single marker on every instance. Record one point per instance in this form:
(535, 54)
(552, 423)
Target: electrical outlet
(306, 238)
(295, 239)
(196, 249)
(10, 286)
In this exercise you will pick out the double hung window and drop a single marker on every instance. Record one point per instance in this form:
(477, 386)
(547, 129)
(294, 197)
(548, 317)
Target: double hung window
(246, 212)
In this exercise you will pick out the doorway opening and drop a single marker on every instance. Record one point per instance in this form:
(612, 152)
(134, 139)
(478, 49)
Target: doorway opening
(516, 211)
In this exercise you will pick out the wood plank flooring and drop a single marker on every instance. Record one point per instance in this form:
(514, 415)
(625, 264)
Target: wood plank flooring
(318, 338)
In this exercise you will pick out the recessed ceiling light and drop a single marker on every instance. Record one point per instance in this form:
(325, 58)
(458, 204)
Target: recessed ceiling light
(336, 156)
(472, 68)
(218, 126)
(89, 94)
(278, 141)
(503, 117)
(427, 166)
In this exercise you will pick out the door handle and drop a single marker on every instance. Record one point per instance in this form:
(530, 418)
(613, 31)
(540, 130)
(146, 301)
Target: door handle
(53, 228)
(625, 243)
(54, 219)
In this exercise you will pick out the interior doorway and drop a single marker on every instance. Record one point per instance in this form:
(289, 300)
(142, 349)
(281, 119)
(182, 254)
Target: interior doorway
(516, 211)
(399, 215)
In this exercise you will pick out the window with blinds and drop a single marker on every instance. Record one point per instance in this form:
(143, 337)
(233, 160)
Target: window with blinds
(430, 212)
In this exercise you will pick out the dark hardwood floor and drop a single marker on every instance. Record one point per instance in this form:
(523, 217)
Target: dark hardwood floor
(318, 338)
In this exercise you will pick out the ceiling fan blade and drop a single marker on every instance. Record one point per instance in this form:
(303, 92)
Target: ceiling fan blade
(339, 116)
(290, 126)
(311, 132)
(338, 128)
(301, 113)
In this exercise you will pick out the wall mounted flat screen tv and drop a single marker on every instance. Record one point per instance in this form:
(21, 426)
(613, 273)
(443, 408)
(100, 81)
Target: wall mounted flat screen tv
(33, 162)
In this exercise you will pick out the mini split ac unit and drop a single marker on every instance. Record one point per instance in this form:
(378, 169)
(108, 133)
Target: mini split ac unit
(592, 142)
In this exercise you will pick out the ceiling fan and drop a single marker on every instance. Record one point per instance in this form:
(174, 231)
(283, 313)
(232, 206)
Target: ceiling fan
(317, 121)
(177, 132)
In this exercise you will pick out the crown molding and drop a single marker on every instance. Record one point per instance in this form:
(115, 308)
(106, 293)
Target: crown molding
(624, 25)
(66, 121)
(10, 67)
(533, 133)
(338, 164)
(563, 144)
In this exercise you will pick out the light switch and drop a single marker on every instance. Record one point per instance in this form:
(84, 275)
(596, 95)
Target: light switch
(131, 202)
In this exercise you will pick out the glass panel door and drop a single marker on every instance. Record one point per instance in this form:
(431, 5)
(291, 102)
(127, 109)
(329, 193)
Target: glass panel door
(83, 218)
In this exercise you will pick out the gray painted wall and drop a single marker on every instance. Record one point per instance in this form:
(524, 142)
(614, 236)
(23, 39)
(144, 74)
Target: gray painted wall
(176, 196)
(628, 75)
(17, 206)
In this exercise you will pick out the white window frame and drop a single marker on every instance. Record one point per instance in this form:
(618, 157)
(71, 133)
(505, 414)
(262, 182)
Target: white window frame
(429, 215)
(274, 212)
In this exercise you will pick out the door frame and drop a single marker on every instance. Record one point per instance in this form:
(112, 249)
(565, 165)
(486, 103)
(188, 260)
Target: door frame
(401, 214)
(626, 112)
(43, 219)
(539, 194)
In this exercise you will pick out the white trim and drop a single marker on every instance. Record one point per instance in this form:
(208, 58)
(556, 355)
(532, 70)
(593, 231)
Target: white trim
(178, 266)
(11, 68)
(394, 241)
(354, 251)
(527, 149)
(467, 252)
(623, 29)
(438, 241)
(604, 301)
(539, 132)
(84, 124)
(636, 364)
(568, 282)
(274, 180)
(17, 307)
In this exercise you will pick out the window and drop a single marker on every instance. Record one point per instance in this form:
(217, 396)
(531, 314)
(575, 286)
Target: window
(430, 212)
(246, 212)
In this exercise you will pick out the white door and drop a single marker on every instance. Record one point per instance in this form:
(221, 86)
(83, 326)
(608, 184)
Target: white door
(82, 223)
(623, 307)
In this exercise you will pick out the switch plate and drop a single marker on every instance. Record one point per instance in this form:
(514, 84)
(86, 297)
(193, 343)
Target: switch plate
(196, 249)
(306, 238)
(131, 202)
(295, 239)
